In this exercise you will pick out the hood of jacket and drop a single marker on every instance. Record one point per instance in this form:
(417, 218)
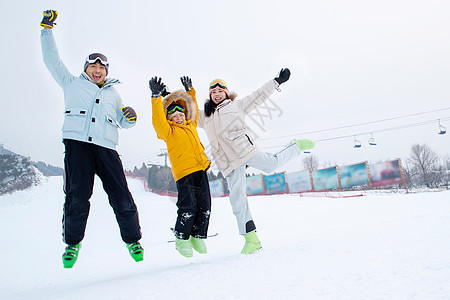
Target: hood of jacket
(183, 99)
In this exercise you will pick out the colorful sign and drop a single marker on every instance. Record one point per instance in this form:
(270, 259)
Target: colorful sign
(275, 184)
(299, 181)
(325, 179)
(255, 185)
(354, 175)
(386, 173)
(216, 188)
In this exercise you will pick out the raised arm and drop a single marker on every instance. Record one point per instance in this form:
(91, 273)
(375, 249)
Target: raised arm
(159, 120)
(187, 83)
(259, 96)
(50, 53)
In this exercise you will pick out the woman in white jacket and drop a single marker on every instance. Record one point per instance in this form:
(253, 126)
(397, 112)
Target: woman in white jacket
(233, 148)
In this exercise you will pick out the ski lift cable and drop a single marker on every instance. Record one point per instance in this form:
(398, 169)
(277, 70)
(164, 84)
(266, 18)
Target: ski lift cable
(358, 124)
(371, 132)
(133, 162)
(381, 130)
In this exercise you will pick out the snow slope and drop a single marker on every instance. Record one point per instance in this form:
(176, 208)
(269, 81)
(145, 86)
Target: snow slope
(385, 246)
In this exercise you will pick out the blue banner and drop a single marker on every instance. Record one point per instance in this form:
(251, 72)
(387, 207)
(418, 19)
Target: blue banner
(216, 188)
(325, 179)
(299, 181)
(275, 184)
(354, 175)
(255, 185)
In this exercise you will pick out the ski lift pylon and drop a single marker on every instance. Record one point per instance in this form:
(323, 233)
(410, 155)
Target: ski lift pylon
(372, 141)
(356, 143)
(442, 129)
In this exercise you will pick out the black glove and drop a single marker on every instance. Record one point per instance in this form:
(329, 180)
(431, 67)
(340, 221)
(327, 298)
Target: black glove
(49, 18)
(187, 83)
(156, 86)
(283, 76)
(165, 92)
(129, 114)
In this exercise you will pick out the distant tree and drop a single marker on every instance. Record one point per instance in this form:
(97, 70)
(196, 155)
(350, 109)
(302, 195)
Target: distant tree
(329, 164)
(422, 166)
(445, 175)
(151, 177)
(165, 180)
(310, 162)
(211, 176)
(143, 171)
(48, 170)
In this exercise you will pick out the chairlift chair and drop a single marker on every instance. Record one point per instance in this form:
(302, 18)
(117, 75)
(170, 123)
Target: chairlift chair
(372, 141)
(442, 129)
(357, 144)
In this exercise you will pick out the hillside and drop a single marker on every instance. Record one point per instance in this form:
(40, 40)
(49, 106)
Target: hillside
(18, 172)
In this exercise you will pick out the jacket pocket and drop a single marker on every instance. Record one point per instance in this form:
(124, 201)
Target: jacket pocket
(111, 130)
(232, 135)
(75, 119)
(241, 145)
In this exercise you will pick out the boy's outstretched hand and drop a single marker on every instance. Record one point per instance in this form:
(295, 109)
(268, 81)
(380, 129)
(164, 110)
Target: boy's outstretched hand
(156, 86)
(283, 76)
(187, 83)
(48, 21)
(165, 92)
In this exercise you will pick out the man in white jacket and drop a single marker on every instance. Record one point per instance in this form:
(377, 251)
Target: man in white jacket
(93, 114)
(233, 148)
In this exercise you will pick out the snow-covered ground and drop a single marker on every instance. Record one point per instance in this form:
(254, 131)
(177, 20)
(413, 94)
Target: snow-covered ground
(380, 246)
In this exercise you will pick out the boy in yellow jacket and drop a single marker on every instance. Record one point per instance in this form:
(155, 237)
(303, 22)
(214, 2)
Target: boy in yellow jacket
(174, 118)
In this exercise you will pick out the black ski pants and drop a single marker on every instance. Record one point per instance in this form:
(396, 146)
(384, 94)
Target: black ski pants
(82, 161)
(194, 206)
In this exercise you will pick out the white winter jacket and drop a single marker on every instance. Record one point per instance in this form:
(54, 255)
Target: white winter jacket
(91, 114)
(230, 138)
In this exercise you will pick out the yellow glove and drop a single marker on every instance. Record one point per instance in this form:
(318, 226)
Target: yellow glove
(49, 18)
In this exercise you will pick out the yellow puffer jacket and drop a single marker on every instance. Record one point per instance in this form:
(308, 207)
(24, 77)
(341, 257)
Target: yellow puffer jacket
(186, 152)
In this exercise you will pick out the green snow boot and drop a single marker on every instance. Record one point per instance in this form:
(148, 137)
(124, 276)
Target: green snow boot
(136, 251)
(199, 245)
(252, 243)
(70, 255)
(184, 247)
(305, 144)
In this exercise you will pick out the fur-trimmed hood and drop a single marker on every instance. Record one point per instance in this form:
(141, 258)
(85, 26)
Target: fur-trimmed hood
(185, 100)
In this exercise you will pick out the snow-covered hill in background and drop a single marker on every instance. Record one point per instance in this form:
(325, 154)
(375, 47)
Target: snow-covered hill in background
(381, 246)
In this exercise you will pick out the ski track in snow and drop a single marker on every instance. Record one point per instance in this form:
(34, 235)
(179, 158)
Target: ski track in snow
(380, 246)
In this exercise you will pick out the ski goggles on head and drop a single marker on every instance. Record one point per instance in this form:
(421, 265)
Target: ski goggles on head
(173, 108)
(218, 83)
(94, 57)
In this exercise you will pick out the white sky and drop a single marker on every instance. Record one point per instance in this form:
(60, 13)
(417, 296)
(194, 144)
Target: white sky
(351, 61)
